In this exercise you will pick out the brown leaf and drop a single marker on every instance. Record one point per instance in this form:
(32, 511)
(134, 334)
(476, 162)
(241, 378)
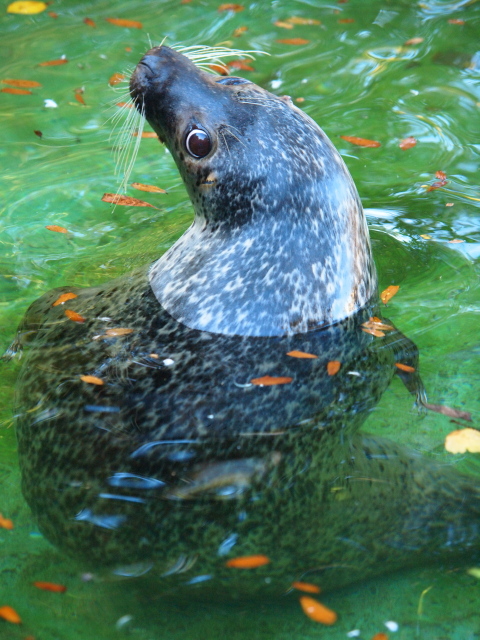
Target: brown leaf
(219, 68)
(449, 204)
(442, 181)
(50, 586)
(52, 14)
(24, 84)
(55, 227)
(448, 411)
(116, 78)
(145, 134)
(116, 198)
(239, 31)
(268, 381)
(79, 98)
(73, 315)
(240, 64)
(441, 175)
(306, 586)
(283, 25)
(376, 323)
(119, 331)
(231, 7)
(126, 105)
(407, 143)
(92, 380)
(38, 133)
(413, 41)
(147, 187)
(456, 241)
(346, 20)
(361, 142)
(333, 367)
(120, 22)
(89, 22)
(299, 20)
(53, 63)
(374, 332)
(463, 440)
(404, 367)
(388, 293)
(456, 21)
(300, 354)
(63, 298)
(16, 91)
(294, 41)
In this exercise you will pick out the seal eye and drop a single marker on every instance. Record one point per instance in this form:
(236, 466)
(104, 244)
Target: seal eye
(198, 143)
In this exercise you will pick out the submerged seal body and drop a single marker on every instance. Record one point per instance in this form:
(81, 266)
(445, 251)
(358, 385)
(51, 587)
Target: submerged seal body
(212, 430)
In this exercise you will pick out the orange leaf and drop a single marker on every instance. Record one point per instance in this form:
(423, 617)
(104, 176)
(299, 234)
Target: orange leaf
(448, 411)
(376, 323)
(346, 20)
(63, 298)
(90, 22)
(52, 14)
(456, 21)
(283, 25)
(116, 198)
(127, 105)
(50, 586)
(120, 22)
(25, 84)
(239, 31)
(55, 227)
(463, 440)
(380, 636)
(374, 332)
(441, 175)
(147, 187)
(145, 134)
(299, 20)
(407, 143)
(333, 367)
(248, 562)
(361, 142)
(413, 41)
(240, 64)
(79, 98)
(10, 615)
(218, 68)
(306, 586)
(300, 354)
(294, 41)
(6, 523)
(317, 611)
(404, 367)
(19, 92)
(73, 315)
(116, 78)
(118, 332)
(53, 63)
(231, 7)
(388, 293)
(92, 380)
(268, 381)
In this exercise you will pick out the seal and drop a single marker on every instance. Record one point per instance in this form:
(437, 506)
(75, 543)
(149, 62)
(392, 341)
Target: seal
(279, 244)
(149, 444)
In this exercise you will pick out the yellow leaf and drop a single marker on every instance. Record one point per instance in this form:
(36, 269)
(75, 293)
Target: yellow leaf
(388, 293)
(463, 440)
(27, 7)
(92, 380)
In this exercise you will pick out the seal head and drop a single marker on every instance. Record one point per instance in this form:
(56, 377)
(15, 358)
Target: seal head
(279, 244)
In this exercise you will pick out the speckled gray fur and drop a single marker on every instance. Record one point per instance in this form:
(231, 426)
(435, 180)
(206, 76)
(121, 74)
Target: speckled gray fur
(279, 244)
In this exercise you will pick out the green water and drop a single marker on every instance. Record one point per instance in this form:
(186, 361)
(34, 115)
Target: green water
(356, 79)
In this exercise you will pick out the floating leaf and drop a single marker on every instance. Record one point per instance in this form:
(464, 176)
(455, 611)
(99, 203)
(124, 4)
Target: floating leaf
(147, 187)
(52, 14)
(24, 84)
(8, 613)
(456, 21)
(294, 41)
(346, 20)
(118, 332)
(231, 7)
(92, 380)
(388, 293)
(448, 411)
(219, 68)
(120, 22)
(145, 134)
(283, 25)
(53, 63)
(63, 298)
(306, 586)
(374, 332)
(380, 636)
(6, 523)
(126, 105)
(301, 354)
(462, 441)
(116, 198)
(425, 236)
(441, 175)
(89, 22)
(28, 7)
(456, 241)
(79, 97)
(299, 20)
(442, 181)
(449, 204)
(73, 315)
(300, 99)
(116, 78)
(239, 31)
(16, 91)
(413, 41)
(317, 611)
(333, 367)
(404, 367)
(240, 64)
(248, 562)
(56, 228)
(268, 381)
(475, 572)
(377, 324)
(407, 143)
(38, 133)
(50, 586)
(361, 142)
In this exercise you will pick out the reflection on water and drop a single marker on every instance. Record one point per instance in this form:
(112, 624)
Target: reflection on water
(429, 92)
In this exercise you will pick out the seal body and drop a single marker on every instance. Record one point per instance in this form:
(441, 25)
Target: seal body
(182, 415)
(279, 244)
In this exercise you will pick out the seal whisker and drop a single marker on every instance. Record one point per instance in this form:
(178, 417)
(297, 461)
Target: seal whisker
(226, 129)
